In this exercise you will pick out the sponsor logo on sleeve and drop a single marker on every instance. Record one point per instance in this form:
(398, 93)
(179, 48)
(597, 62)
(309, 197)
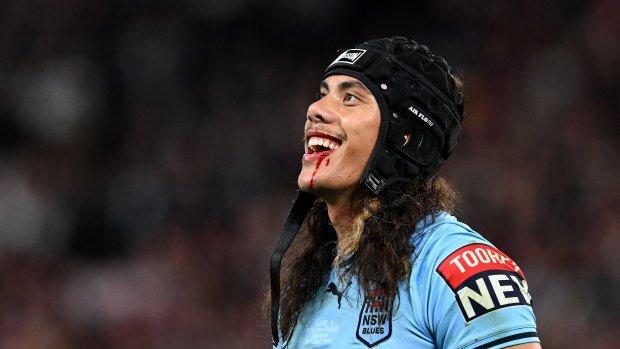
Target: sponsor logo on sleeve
(484, 279)
(375, 322)
(349, 56)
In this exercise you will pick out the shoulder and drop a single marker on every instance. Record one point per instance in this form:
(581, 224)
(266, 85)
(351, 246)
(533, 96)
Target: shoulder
(440, 241)
(437, 236)
(456, 252)
(451, 253)
(469, 288)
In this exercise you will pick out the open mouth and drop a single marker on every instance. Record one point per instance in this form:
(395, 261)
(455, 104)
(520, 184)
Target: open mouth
(321, 145)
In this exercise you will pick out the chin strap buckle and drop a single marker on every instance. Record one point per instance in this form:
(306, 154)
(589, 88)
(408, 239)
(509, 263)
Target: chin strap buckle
(373, 183)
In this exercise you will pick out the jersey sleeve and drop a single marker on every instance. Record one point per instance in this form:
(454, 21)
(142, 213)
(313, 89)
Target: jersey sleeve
(473, 295)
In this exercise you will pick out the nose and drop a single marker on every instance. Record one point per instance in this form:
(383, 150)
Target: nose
(320, 111)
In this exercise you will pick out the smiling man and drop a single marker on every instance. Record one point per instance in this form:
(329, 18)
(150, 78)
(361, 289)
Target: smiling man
(342, 128)
(380, 261)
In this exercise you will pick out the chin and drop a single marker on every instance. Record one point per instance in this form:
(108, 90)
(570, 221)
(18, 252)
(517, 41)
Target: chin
(304, 182)
(305, 187)
(308, 183)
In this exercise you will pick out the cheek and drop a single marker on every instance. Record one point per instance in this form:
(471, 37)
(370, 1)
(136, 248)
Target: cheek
(367, 136)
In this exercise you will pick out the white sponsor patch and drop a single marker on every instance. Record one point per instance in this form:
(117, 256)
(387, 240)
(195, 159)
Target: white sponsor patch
(349, 56)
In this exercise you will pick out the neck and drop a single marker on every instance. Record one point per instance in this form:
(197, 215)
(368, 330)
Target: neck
(341, 216)
(340, 211)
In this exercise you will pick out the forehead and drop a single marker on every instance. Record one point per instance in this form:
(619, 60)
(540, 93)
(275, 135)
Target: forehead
(343, 82)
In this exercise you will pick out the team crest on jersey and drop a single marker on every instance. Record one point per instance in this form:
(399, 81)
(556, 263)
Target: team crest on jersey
(483, 279)
(349, 56)
(375, 322)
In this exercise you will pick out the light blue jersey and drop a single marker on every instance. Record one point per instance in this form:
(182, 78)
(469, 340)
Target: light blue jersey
(462, 293)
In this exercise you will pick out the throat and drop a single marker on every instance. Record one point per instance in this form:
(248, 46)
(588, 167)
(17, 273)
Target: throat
(341, 217)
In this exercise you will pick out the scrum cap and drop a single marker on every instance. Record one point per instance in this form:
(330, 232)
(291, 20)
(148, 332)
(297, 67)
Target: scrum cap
(421, 110)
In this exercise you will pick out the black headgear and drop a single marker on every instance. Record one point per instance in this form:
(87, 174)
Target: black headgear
(421, 115)
(421, 111)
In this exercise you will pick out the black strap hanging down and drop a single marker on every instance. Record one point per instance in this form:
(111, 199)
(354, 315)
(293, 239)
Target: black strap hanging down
(302, 205)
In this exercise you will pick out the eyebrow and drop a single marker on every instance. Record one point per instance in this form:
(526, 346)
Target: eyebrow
(347, 84)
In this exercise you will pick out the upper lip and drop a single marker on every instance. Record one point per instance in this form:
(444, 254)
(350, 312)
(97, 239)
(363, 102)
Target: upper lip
(315, 133)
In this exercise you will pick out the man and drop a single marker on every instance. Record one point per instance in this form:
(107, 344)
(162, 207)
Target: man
(380, 261)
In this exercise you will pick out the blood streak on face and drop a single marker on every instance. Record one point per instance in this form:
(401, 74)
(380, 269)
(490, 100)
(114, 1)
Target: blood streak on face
(318, 164)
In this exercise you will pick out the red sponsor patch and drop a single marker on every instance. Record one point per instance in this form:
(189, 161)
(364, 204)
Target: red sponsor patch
(473, 259)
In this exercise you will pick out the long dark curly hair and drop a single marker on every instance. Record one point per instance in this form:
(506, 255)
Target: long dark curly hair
(377, 249)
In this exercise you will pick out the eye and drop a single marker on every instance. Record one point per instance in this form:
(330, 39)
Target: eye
(350, 98)
(319, 95)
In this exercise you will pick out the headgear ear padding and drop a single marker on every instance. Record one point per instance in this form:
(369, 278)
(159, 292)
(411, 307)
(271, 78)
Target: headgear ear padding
(421, 108)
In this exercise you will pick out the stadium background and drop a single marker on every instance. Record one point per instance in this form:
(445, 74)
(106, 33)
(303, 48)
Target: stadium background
(149, 153)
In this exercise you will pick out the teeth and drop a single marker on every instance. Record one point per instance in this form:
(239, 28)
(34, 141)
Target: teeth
(316, 142)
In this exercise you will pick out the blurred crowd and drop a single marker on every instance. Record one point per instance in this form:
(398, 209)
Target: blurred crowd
(149, 152)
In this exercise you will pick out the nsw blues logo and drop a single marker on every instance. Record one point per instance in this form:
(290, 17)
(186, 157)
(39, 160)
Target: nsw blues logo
(375, 323)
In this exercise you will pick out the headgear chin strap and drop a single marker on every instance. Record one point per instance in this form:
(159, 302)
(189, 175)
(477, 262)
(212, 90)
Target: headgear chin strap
(421, 115)
(301, 207)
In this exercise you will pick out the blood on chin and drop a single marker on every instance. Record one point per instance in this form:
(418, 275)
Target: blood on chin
(318, 157)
